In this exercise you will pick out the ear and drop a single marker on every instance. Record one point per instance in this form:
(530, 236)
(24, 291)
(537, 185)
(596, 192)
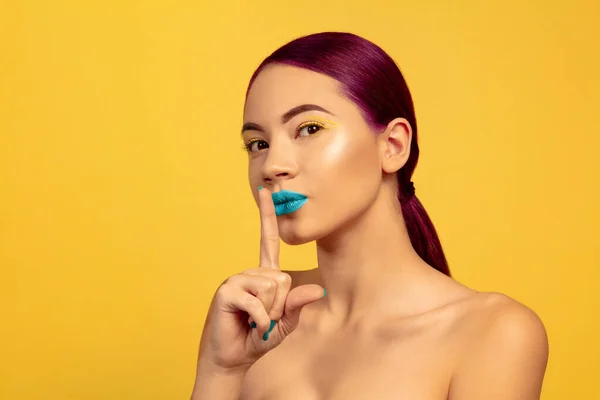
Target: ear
(395, 144)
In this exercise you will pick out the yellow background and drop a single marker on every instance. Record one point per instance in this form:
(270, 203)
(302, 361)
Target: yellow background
(124, 199)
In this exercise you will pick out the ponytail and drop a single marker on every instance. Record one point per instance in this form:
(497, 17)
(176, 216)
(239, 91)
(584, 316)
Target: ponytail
(423, 235)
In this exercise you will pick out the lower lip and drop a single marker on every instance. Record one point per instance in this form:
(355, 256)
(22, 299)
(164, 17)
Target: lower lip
(289, 207)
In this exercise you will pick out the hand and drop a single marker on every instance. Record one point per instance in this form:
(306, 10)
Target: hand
(261, 295)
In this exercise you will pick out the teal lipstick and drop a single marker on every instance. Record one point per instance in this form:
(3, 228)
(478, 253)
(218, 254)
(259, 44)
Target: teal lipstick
(287, 202)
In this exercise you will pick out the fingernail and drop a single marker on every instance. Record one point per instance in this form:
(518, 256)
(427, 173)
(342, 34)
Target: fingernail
(260, 187)
(253, 325)
(324, 292)
(266, 335)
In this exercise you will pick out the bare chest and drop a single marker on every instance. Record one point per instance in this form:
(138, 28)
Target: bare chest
(349, 367)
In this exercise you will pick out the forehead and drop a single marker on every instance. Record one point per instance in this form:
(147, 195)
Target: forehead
(278, 88)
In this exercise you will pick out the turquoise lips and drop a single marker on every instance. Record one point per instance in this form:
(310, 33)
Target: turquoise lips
(287, 202)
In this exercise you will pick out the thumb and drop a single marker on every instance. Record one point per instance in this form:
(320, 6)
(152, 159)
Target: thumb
(298, 298)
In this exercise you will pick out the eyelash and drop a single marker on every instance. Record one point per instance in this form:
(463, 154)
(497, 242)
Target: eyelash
(246, 146)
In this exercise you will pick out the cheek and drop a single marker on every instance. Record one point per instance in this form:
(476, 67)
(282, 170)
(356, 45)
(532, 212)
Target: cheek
(343, 177)
(349, 158)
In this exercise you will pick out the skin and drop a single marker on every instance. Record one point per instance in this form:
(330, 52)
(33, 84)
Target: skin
(391, 326)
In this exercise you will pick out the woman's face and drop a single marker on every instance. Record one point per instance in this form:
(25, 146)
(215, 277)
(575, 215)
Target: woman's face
(303, 135)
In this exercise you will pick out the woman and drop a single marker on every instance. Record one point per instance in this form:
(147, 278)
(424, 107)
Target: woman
(331, 135)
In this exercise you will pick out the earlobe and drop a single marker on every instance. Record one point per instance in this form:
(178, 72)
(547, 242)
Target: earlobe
(396, 141)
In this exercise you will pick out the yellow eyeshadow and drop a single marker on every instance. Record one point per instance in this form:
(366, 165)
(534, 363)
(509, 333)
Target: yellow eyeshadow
(312, 120)
(329, 123)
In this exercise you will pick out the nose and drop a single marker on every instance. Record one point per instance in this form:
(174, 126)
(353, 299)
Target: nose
(280, 162)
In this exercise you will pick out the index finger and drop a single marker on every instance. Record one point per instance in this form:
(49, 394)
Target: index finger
(269, 231)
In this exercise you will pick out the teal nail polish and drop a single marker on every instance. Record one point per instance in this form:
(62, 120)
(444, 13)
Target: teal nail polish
(266, 335)
(260, 187)
(253, 325)
(324, 292)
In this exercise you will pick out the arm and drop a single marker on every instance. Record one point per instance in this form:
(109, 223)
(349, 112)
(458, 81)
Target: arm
(212, 384)
(507, 362)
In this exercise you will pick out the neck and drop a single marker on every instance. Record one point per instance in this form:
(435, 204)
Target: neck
(369, 261)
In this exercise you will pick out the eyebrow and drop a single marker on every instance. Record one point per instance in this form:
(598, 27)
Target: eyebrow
(287, 116)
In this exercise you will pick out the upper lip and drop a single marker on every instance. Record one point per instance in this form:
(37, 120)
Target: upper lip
(286, 195)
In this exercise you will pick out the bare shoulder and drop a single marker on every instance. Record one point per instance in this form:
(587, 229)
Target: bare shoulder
(503, 317)
(505, 352)
(497, 321)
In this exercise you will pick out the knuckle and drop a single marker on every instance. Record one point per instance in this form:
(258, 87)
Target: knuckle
(223, 293)
(251, 271)
(284, 278)
(232, 279)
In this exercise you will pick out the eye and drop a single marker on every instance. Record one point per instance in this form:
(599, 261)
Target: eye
(310, 128)
(254, 145)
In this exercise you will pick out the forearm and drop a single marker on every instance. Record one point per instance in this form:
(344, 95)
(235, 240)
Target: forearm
(212, 384)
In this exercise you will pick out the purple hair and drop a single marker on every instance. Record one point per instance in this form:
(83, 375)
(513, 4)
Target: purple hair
(372, 80)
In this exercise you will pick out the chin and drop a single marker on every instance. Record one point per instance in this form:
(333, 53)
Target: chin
(294, 238)
(294, 231)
